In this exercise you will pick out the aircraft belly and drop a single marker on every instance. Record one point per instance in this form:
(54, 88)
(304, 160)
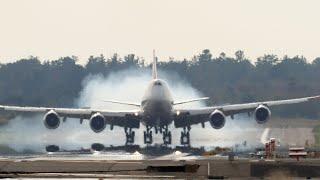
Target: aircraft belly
(158, 121)
(157, 117)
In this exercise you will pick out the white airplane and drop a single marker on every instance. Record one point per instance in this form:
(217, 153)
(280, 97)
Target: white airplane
(157, 110)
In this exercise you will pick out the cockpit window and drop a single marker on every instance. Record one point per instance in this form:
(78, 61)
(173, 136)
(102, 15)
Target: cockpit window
(157, 84)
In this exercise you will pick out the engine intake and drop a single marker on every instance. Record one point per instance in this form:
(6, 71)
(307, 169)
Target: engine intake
(217, 119)
(97, 122)
(262, 114)
(51, 120)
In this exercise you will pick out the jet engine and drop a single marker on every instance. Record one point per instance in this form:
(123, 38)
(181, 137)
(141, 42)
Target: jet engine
(262, 114)
(97, 122)
(217, 119)
(51, 120)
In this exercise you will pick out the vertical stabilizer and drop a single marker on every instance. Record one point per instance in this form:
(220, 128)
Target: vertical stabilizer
(154, 66)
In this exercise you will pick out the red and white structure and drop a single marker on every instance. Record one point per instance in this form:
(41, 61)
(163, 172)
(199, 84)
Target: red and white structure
(297, 152)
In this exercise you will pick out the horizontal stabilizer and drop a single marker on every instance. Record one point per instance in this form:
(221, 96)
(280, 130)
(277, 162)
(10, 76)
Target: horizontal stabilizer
(190, 100)
(123, 103)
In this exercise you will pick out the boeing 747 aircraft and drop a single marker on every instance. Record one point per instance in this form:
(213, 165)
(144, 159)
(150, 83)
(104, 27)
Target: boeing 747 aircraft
(156, 111)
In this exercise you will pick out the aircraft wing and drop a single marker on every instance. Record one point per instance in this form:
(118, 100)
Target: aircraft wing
(130, 118)
(123, 103)
(200, 115)
(190, 100)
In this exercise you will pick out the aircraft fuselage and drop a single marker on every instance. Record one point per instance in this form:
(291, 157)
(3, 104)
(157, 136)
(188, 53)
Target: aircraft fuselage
(157, 104)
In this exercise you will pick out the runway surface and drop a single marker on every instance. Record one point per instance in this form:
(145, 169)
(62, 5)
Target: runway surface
(136, 166)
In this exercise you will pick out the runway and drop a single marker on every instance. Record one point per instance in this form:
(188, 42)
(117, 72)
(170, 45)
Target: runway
(134, 165)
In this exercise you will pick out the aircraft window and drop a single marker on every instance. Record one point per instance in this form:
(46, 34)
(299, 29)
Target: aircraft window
(157, 83)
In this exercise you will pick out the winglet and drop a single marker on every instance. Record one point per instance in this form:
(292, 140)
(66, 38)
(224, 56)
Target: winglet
(154, 66)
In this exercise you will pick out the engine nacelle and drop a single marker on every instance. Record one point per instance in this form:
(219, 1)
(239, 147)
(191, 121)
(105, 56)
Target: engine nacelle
(97, 122)
(51, 120)
(262, 114)
(217, 119)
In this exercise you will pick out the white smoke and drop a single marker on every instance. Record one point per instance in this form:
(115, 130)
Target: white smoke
(129, 85)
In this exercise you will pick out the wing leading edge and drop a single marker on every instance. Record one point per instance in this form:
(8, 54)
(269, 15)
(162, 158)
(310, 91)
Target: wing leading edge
(199, 115)
(190, 100)
(123, 103)
(118, 118)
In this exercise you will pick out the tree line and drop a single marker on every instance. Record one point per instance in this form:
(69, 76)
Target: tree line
(225, 79)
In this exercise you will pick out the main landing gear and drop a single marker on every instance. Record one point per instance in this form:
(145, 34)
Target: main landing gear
(147, 136)
(167, 137)
(185, 136)
(129, 136)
